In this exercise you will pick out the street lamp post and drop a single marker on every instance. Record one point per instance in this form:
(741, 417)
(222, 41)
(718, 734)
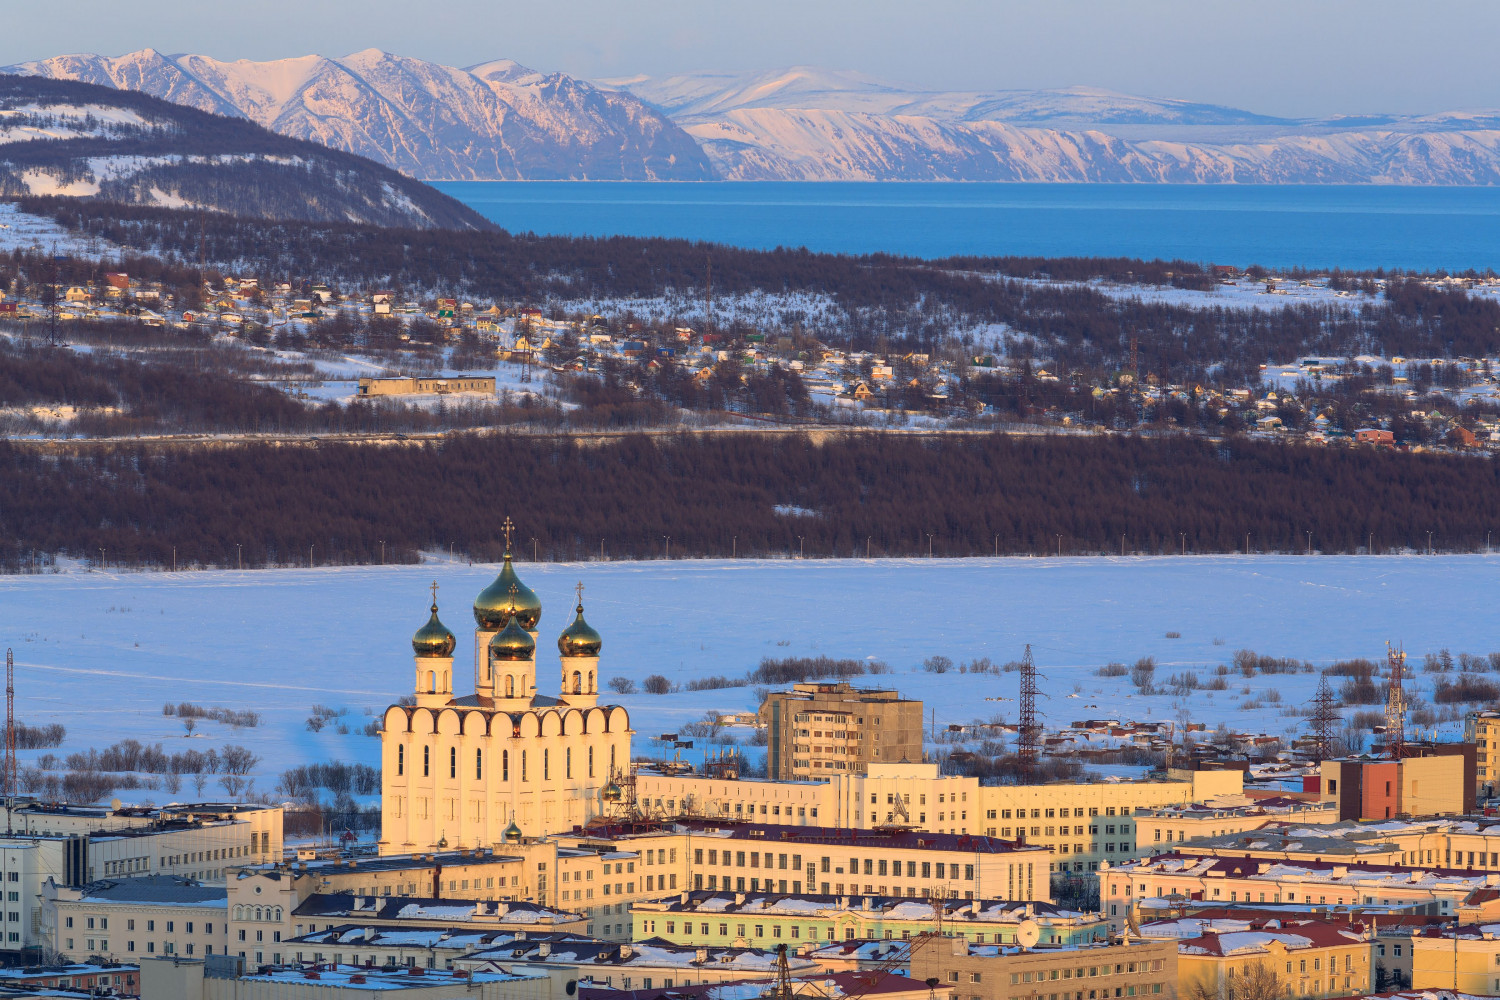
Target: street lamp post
(929, 545)
(382, 551)
(239, 556)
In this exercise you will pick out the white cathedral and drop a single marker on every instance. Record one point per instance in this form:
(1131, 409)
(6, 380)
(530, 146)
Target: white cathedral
(487, 768)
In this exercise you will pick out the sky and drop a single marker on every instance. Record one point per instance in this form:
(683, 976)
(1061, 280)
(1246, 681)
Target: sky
(1303, 58)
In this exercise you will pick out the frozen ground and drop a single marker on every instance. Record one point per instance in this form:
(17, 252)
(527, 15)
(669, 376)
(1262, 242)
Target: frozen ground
(101, 652)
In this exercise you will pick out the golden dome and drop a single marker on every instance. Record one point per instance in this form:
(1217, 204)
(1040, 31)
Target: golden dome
(512, 833)
(612, 792)
(579, 638)
(505, 597)
(512, 643)
(433, 639)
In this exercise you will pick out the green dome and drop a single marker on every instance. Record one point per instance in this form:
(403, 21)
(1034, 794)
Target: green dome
(579, 638)
(505, 597)
(612, 792)
(433, 639)
(512, 643)
(512, 833)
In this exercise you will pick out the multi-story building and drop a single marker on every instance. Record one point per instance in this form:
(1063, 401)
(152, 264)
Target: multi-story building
(128, 919)
(1461, 958)
(1482, 729)
(751, 857)
(226, 831)
(1100, 822)
(1227, 880)
(116, 979)
(754, 920)
(476, 770)
(1290, 956)
(969, 971)
(817, 730)
(1436, 779)
(228, 979)
(1157, 828)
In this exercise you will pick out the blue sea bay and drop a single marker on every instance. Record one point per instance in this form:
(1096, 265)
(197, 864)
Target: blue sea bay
(1451, 228)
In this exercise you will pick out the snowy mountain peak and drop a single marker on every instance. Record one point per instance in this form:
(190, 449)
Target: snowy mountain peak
(498, 120)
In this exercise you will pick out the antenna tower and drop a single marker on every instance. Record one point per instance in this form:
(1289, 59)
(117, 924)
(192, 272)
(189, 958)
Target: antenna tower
(1395, 704)
(11, 784)
(1028, 733)
(1135, 360)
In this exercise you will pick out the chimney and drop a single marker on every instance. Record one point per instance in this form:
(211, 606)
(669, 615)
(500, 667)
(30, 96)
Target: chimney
(544, 949)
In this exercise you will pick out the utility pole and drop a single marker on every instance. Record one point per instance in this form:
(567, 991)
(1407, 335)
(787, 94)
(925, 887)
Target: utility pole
(11, 783)
(1324, 717)
(1395, 704)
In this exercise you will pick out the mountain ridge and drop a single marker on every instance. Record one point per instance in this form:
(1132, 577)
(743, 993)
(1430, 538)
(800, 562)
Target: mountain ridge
(497, 120)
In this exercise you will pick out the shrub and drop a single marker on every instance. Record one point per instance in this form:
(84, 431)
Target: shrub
(1361, 691)
(622, 685)
(1466, 690)
(1113, 670)
(937, 664)
(715, 683)
(1361, 668)
(656, 684)
(795, 669)
(1142, 672)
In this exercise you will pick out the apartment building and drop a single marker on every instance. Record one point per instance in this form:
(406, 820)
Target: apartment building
(752, 857)
(1460, 958)
(1100, 815)
(1228, 880)
(756, 920)
(1438, 779)
(817, 730)
(1482, 729)
(1308, 957)
(970, 971)
(221, 979)
(128, 919)
(1157, 828)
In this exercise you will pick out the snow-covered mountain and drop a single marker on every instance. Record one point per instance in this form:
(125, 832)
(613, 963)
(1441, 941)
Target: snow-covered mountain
(65, 138)
(806, 123)
(497, 120)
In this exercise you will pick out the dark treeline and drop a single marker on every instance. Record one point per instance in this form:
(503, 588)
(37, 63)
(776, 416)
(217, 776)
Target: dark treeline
(715, 495)
(889, 303)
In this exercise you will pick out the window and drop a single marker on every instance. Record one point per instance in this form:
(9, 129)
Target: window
(504, 765)
(453, 762)
(400, 760)
(426, 760)
(478, 765)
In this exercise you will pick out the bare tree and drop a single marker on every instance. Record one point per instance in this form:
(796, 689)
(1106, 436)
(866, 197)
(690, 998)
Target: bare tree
(190, 724)
(1254, 982)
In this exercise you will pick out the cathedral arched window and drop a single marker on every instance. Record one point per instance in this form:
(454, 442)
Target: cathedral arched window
(432, 681)
(401, 760)
(523, 765)
(577, 682)
(453, 762)
(568, 763)
(611, 760)
(504, 765)
(479, 765)
(546, 764)
(591, 762)
(510, 686)
(426, 761)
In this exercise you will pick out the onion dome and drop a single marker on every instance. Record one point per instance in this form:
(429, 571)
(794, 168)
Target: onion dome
(433, 639)
(512, 833)
(612, 792)
(507, 596)
(512, 643)
(579, 638)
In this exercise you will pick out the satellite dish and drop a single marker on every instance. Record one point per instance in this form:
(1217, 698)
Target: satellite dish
(1028, 933)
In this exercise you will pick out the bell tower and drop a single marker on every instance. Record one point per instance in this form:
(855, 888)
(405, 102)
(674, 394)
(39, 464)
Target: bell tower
(432, 649)
(579, 646)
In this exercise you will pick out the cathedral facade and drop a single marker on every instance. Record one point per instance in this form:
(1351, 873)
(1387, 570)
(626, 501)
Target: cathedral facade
(487, 768)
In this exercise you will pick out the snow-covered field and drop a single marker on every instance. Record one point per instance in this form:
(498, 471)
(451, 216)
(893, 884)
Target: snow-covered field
(101, 652)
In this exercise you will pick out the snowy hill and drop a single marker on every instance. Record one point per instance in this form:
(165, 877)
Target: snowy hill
(498, 120)
(60, 137)
(805, 123)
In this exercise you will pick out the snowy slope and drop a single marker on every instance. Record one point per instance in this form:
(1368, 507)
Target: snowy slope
(495, 121)
(101, 652)
(805, 123)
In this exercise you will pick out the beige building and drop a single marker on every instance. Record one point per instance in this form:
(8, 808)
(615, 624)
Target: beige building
(969, 971)
(412, 386)
(126, 920)
(1483, 730)
(817, 730)
(705, 855)
(1157, 829)
(1224, 881)
(213, 979)
(480, 770)
(1100, 823)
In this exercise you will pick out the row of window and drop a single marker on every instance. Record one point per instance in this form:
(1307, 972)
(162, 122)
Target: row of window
(103, 925)
(504, 763)
(1081, 972)
(1055, 813)
(99, 946)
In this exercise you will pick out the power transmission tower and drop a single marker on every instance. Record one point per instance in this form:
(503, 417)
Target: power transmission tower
(1325, 716)
(1395, 704)
(1028, 733)
(12, 785)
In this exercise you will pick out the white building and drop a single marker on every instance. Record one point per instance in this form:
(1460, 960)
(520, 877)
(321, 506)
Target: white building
(483, 769)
